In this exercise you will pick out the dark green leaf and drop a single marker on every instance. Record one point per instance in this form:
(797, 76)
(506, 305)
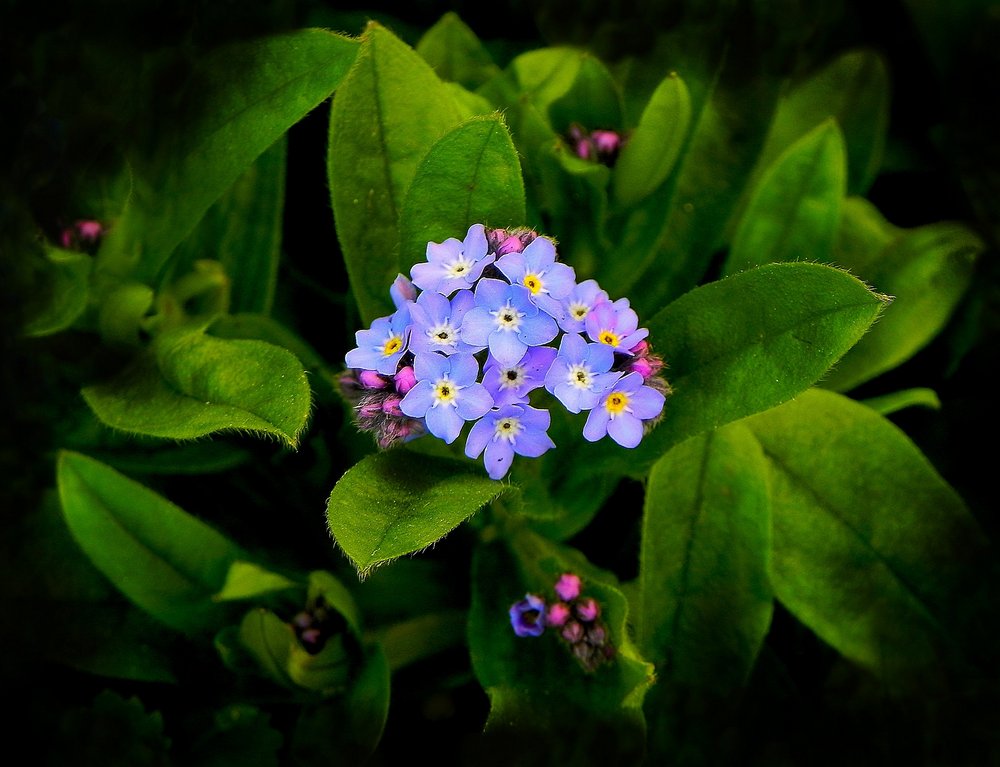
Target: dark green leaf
(471, 175)
(389, 111)
(66, 275)
(240, 734)
(396, 503)
(421, 637)
(872, 549)
(199, 385)
(164, 560)
(592, 100)
(706, 599)
(242, 98)
(653, 147)
(455, 53)
(793, 211)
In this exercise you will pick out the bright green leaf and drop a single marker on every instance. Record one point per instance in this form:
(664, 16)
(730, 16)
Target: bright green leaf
(794, 210)
(888, 404)
(471, 175)
(67, 278)
(163, 559)
(706, 539)
(873, 550)
(396, 503)
(389, 111)
(243, 97)
(653, 147)
(592, 101)
(455, 53)
(248, 580)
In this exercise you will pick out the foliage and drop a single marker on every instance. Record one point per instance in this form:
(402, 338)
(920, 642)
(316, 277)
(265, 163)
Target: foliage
(794, 565)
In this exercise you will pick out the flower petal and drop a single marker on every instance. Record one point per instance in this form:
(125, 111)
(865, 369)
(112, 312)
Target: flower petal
(498, 458)
(444, 422)
(481, 433)
(418, 399)
(626, 430)
(474, 402)
(597, 424)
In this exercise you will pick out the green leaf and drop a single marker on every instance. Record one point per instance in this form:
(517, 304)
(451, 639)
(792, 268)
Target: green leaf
(652, 149)
(471, 175)
(794, 210)
(927, 270)
(122, 311)
(389, 111)
(854, 90)
(248, 580)
(593, 100)
(873, 550)
(418, 638)
(706, 600)
(455, 53)
(66, 277)
(887, 404)
(396, 503)
(240, 99)
(545, 75)
(539, 694)
(163, 559)
(742, 345)
(113, 730)
(242, 230)
(240, 734)
(197, 385)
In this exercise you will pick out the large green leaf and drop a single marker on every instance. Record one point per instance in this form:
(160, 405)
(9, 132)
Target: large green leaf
(742, 345)
(389, 111)
(240, 99)
(706, 541)
(927, 270)
(163, 559)
(794, 210)
(455, 53)
(396, 503)
(471, 175)
(196, 385)
(653, 147)
(873, 550)
(66, 277)
(538, 693)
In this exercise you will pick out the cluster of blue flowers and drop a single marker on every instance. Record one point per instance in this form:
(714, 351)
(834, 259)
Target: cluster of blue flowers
(575, 617)
(504, 293)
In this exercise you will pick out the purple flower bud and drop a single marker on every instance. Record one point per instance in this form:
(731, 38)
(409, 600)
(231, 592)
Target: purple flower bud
(607, 142)
(558, 614)
(587, 610)
(572, 632)
(405, 379)
(89, 231)
(512, 244)
(369, 409)
(390, 406)
(596, 635)
(568, 587)
(372, 380)
(402, 290)
(494, 237)
(526, 616)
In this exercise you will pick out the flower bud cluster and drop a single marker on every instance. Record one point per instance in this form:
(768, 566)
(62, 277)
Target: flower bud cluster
(600, 146)
(82, 235)
(315, 625)
(576, 619)
(472, 336)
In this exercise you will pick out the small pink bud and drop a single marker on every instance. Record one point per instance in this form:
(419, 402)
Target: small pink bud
(402, 290)
(372, 380)
(510, 245)
(572, 632)
(641, 348)
(390, 406)
(642, 366)
(405, 379)
(606, 141)
(89, 231)
(558, 614)
(370, 410)
(596, 635)
(587, 610)
(568, 587)
(66, 238)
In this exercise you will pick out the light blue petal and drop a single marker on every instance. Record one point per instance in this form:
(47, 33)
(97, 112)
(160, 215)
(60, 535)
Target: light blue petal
(443, 422)
(464, 369)
(560, 280)
(597, 424)
(540, 253)
(418, 399)
(474, 402)
(481, 432)
(512, 266)
(537, 330)
(477, 324)
(506, 346)
(532, 443)
(647, 403)
(430, 366)
(491, 293)
(498, 458)
(626, 430)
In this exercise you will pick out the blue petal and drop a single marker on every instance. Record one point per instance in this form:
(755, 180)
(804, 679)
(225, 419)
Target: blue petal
(418, 399)
(560, 280)
(537, 330)
(600, 357)
(540, 253)
(443, 422)
(473, 402)
(506, 347)
(597, 424)
(626, 430)
(430, 366)
(532, 443)
(481, 432)
(475, 244)
(464, 369)
(477, 326)
(498, 458)
(647, 403)
(573, 348)
(427, 276)
(512, 266)
(536, 418)
(491, 293)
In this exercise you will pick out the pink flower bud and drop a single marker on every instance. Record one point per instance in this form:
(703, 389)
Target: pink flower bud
(641, 349)
(372, 380)
(606, 141)
(402, 290)
(642, 366)
(89, 231)
(587, 610)
(568, 587)
(558, 614)
(572, 632)
(390, 406)
(512, 244)
(405, 379)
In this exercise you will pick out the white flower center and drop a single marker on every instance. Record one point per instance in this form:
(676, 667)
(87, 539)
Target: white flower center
(579, 311)
(508, 429)
(444, 334)
(460, 267)
(578, 375)
(511, 378)
(507, 318)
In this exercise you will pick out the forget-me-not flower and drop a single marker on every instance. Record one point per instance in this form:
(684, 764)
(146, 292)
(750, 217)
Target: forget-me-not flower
(615, 324)
(453, 265)
(622, 410)
(536, 269)
(382, 345)
(519, 429)
(581, 373)
(446, 394)
(510, 384)
(578, 304)
(505, 320)
(437, 323)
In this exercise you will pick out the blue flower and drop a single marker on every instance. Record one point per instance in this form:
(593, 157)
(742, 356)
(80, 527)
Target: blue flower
(505, 320)
(579, 375)
(510, 384)
(452, 265)
(537, 270)
(381, 346)
(437, 323)
(622, 411)
(527, 617)
(615, 324)
(446, 394)
(512, 429)
(578, 304)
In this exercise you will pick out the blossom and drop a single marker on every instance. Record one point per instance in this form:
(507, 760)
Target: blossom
(578, 304)
(615, 324)
(505, 320)
(511, 429)
(536, 269)
(402, 290)
(381, 346)
(510, 384)
(446, 394)
(452, 265)
(580, 374)
(527, 616)
(437, 323)
(623, 409)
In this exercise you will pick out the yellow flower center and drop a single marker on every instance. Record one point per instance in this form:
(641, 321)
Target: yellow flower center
(533, 282)
(445, 392)
(616, 404)
(607, 337)
(393, 345)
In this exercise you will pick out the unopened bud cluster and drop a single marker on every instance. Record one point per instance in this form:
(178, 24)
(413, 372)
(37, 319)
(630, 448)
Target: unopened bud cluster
(575, 618)
(600, 146)
(473, 335)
